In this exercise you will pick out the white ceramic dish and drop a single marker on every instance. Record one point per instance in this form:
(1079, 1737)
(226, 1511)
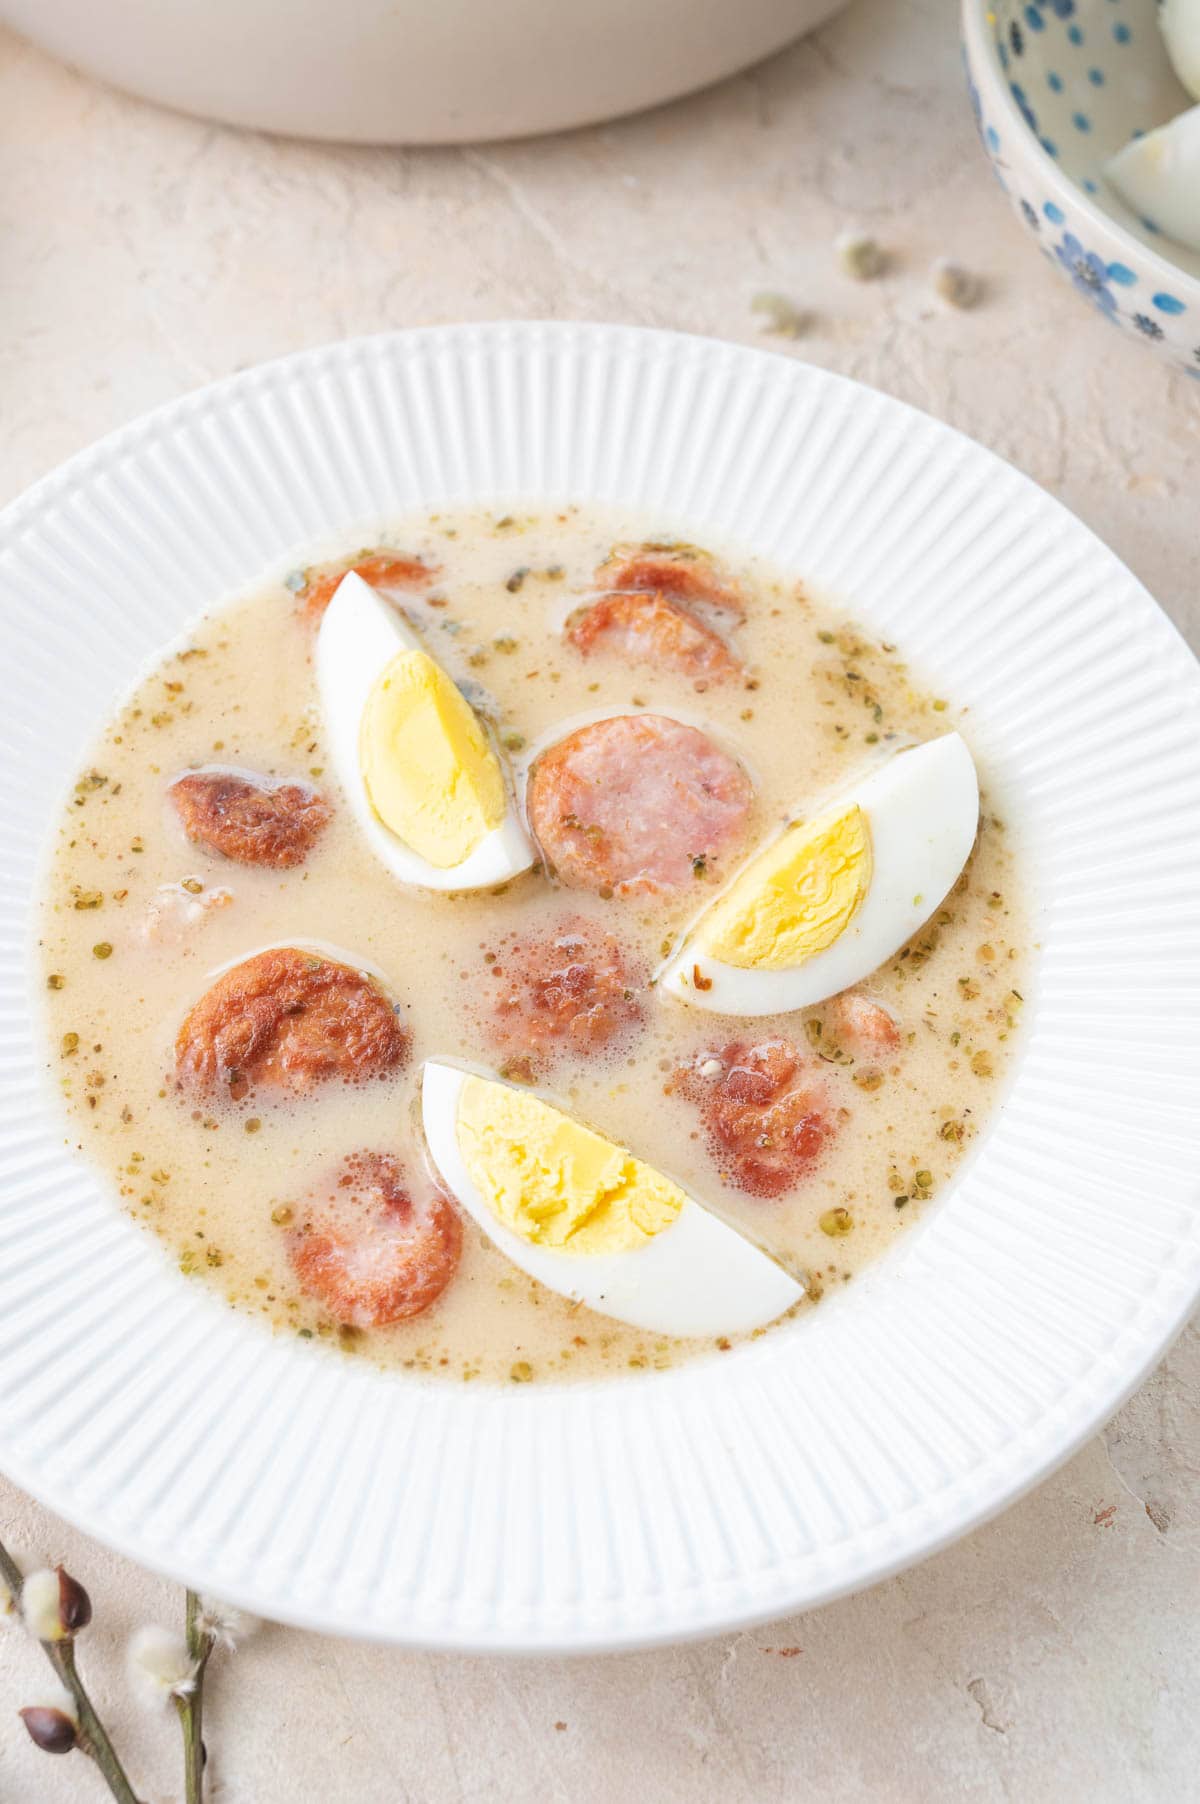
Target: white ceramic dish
(412, 71)
(828, 1454)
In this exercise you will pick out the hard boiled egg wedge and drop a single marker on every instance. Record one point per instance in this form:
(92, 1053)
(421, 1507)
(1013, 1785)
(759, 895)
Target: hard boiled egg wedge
(422, 778)
(1158, 175)
(827, 900)
(1180, 22)
(584, 1217)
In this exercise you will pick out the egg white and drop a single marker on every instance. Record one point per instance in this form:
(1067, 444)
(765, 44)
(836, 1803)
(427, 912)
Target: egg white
(1158, 175)
(696, 1277)
(359, 635)
(922, 809)
(1180, 22)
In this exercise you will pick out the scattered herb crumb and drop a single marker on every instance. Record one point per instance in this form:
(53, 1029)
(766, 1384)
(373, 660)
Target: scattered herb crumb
(780, 316)
(861, 257)
(954, 284)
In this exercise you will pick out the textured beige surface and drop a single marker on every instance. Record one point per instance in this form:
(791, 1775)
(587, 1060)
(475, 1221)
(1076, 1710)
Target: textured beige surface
(1056, 1653)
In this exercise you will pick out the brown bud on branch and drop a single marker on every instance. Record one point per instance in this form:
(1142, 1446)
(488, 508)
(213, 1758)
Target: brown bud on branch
(74, 1604)
(55, 1605)
(50, 1729)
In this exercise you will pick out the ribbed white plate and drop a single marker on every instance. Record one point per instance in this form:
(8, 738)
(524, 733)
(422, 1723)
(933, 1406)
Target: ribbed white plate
(824, 1456)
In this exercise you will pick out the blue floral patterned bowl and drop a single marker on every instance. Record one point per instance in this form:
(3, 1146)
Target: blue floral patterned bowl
(1058, 86)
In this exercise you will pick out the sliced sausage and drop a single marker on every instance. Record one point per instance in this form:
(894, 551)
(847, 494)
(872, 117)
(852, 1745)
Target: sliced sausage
(766, 1111)
(375, 1244)
(287, 1020)
(568, 989)
(863, 1026)
(647, 627)
(637, 804)
(250, 819)
(384, 570)
(684, 572)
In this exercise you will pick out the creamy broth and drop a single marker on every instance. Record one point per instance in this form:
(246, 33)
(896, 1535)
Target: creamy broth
(215, 1181)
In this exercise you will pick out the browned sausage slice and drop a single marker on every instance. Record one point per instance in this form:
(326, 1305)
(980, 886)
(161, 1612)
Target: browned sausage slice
(637, 804)
(375, 1244)
(684, 572)
(250, 819)
(568, 989)
(866, 1027)
(646, 627)
(382, 569)
(766, 1110)
(287, 1020)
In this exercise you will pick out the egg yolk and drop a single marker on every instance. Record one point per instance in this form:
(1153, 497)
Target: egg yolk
(555, 1182)
(429, 771)
(795, 898)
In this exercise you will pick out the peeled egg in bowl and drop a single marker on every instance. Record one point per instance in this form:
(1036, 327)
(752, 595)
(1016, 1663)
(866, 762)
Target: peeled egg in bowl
(1158, 175)
(425, 784)
(586, 1218)
(1058, 103)
(825, 901)
(1180, 23)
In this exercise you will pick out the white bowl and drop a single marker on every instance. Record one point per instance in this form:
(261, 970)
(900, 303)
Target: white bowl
(834, 1450)
(412, 71)
(1058, 87)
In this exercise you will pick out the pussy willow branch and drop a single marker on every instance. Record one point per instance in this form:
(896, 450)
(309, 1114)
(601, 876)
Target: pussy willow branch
(200, 1645)
(93, 1736)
